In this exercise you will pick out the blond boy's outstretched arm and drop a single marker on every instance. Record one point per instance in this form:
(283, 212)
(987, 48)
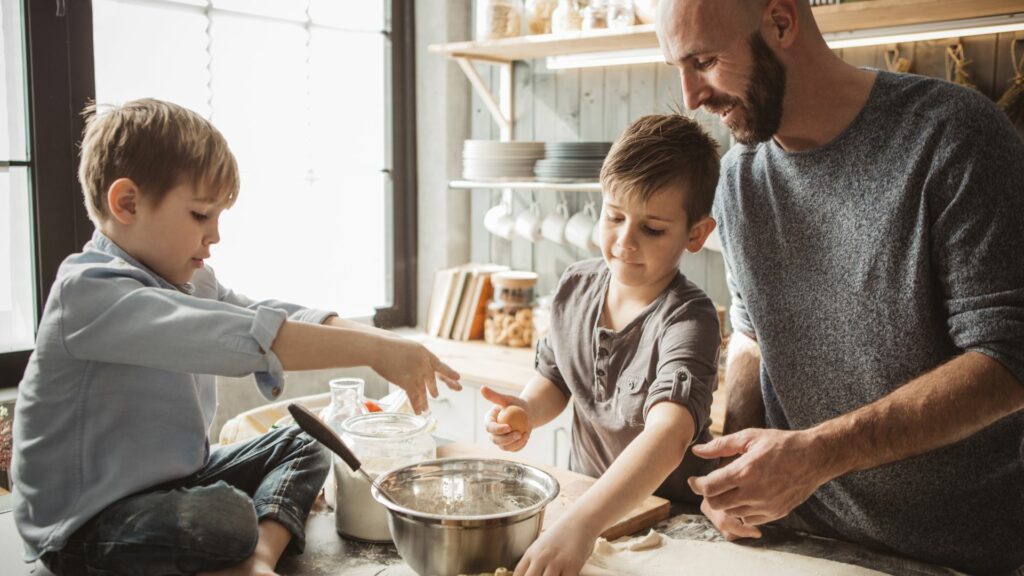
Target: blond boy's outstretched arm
(407, 364)
(635, 475)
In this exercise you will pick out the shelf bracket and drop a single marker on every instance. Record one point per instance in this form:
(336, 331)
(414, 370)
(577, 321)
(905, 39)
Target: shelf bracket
(501, 107)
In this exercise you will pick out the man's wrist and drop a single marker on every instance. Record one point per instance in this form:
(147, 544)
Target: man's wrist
(831, 449)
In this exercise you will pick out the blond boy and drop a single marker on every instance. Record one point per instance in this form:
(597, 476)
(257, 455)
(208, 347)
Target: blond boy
(112, 468)
(633, 343)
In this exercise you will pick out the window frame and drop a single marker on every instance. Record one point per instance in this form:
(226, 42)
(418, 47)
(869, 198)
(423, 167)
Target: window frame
(60, 71)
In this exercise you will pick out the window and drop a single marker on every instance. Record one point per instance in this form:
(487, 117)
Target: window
(17, 285)
(300, 91)
(306, 88)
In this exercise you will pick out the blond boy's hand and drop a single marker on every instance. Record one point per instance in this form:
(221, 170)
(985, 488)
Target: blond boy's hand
(413, 368)
(503, 435)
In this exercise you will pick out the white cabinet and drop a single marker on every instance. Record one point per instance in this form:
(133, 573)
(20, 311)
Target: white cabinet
(461, 417)
(548, 444)
(454, 413)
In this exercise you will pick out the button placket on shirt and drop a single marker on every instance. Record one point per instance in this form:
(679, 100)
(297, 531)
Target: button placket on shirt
(602, 356)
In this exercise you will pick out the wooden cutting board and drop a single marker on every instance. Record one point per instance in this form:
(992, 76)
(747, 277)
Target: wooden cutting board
(573, 485)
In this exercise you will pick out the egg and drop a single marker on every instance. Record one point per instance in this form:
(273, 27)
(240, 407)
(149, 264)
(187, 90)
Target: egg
(515, 417)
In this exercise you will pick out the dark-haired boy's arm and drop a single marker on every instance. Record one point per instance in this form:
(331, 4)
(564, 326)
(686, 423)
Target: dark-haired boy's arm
(635, 475)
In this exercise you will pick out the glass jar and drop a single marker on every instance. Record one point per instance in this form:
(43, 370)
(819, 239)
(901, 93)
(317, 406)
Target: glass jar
(510, 313)
(498, 19)
(566, 17)
(538, 16)
(620, 14)
(594, 16)
(346, 401)
(382, 441)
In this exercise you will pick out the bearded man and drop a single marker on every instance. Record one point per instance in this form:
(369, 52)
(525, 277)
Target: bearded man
(873, 230)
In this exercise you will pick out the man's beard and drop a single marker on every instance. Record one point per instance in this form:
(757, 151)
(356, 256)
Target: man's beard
(762, 111)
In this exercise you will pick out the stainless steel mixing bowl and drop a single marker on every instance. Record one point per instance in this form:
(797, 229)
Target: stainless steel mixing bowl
(465, 515)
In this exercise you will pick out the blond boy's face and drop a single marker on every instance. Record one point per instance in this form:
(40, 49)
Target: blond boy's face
(173, 238)
(642, 243)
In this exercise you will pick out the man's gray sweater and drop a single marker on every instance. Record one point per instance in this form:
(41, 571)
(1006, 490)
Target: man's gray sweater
(869, 261)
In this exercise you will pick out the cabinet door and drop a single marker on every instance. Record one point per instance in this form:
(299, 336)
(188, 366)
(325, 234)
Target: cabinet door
(454, 413)
(561, 437)
(548, 445)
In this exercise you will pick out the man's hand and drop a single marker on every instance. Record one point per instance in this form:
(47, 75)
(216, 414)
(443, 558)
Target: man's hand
(413, 368)
(775, 472)
(561, 550)
(502, 434)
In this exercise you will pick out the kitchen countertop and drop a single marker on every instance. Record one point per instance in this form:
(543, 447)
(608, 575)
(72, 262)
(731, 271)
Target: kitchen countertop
(329, 554)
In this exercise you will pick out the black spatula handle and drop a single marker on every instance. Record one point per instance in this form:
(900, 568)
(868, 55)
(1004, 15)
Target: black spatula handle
(319, 429)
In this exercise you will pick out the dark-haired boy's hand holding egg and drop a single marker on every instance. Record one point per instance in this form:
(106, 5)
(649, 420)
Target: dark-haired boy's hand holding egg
(508, 422)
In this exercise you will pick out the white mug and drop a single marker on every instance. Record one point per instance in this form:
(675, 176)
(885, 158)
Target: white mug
(498, 221)
(580, 227)
(553, 227)
(528, 223)
(595, 238)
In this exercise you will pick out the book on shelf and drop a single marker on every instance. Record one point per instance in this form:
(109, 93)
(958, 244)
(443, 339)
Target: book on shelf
(458, 301)
(479, 296)
(462, 275)
(437, 308)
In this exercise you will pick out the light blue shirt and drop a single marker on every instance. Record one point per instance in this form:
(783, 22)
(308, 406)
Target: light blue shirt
(119, 393)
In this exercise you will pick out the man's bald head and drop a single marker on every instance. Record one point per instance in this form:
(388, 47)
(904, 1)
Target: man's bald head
(676, 14)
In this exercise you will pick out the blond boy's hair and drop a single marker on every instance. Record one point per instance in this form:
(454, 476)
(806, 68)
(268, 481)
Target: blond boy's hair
(156, 144)
(659, 152)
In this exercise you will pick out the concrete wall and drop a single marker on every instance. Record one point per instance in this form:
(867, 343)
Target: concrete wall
(442, 123)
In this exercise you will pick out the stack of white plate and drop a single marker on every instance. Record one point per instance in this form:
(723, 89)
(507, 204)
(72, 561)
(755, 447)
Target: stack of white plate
(572, 160)
(493, 160)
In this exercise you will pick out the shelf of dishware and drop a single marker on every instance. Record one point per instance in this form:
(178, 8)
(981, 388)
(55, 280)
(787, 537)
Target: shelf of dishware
(526, 185)
(831, 19)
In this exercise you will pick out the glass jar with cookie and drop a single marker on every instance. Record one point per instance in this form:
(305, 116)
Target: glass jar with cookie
(510, 313)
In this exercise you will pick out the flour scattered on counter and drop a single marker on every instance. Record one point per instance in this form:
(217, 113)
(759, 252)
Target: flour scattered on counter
(657, 555)
(649, 542)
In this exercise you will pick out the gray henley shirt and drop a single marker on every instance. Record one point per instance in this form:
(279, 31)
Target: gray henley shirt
(668, 353)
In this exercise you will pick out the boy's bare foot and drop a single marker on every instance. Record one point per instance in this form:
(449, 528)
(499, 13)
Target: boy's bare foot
(273, 539)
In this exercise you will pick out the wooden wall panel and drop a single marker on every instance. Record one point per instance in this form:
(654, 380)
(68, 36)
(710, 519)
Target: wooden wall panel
(598, 103)
(481, 128)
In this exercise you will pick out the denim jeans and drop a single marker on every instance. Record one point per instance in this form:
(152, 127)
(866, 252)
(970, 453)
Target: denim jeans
(207, 521)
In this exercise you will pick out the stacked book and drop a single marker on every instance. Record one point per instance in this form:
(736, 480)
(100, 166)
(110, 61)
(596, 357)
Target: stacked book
(458, 301)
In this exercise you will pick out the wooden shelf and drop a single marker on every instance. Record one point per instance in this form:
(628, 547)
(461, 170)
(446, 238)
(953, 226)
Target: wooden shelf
(543, 45)
(852, 17)
(528, 185)
(871, 14)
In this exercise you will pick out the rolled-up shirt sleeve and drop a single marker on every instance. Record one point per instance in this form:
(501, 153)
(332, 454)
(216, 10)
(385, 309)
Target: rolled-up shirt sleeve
(119, 319)
(688, 362)
(545, 363)
(979, 242)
